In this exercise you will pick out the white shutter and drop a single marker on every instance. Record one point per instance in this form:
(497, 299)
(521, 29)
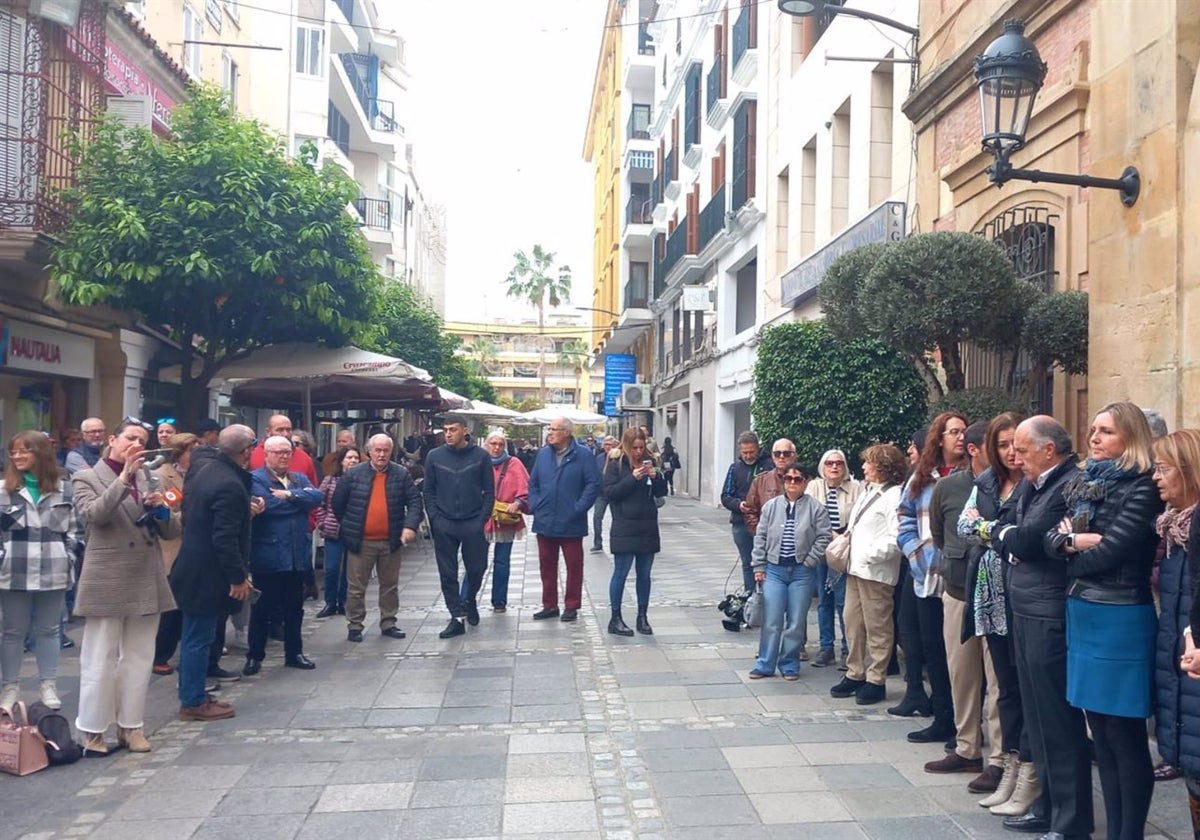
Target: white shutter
(12, 97)
(131, 111)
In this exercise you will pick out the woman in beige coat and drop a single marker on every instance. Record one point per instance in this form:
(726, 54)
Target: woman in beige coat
(122, 588)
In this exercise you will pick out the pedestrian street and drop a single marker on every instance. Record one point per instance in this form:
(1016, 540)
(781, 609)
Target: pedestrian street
(524, 730)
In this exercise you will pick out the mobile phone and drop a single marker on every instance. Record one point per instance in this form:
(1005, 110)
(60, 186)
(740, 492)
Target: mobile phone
(151, 454)
(255, 594)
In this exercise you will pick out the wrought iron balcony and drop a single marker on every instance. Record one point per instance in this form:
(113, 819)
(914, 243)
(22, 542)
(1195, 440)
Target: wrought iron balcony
(712, 218)
(657, 192)
(745, 32)
(382, 113)
(671, 167)
(639, 211)
(715, 88)
(638, 127)
(675, 249)
(741, 185)
(376, 213)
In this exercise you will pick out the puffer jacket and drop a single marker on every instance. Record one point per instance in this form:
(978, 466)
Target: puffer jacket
(1177, 696)
(1117, 571)
(631, 502)
(352, 496)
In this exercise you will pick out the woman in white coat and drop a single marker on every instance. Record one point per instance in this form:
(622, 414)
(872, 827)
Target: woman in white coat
(872, 575)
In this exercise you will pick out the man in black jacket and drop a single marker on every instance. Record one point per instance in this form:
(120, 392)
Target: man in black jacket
(212, 562)
(1037, 592)
(378, 507)
(459, 493)
(751, 462)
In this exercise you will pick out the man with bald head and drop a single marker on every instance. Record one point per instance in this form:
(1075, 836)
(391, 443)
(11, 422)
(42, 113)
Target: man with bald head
(1037, 595)
(345, 437)
(379, 508)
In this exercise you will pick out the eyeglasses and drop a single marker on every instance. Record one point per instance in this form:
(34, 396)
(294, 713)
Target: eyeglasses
(783, 453)
(287, 452)
(954, 432)
(92, 431)
(794, 479)
(135, 421)
(835, 463)
(1162, 469)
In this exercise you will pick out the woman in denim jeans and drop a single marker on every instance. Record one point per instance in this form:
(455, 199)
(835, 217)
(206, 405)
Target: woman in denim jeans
(348, 457)
(793, 531)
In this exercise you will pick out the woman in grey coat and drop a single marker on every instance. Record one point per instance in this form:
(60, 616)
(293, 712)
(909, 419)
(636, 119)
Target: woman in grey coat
(122, 588)
(793, 530)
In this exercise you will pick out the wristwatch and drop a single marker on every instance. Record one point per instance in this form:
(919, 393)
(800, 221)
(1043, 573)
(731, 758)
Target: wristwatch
(1070, 543)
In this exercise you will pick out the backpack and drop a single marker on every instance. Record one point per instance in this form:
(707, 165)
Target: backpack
(61, 746)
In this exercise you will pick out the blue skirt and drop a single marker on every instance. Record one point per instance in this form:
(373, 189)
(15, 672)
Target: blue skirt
(1110, 657)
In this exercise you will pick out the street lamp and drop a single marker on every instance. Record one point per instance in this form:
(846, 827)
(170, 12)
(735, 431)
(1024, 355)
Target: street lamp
(1009, 75)
(822, 8)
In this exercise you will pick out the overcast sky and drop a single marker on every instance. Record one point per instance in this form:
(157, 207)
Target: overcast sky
(497, 114)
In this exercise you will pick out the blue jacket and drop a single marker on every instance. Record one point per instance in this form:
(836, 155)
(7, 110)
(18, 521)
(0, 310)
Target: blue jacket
(1177, 696)
(561, 495)
(279, 538)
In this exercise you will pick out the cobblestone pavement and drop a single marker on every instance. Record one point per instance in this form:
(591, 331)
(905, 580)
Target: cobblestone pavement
(523, 729)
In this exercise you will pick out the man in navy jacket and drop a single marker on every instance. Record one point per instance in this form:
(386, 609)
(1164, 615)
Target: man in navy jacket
(563, 484)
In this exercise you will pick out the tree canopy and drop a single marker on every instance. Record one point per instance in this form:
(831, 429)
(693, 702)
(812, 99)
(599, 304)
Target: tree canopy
(216, 236)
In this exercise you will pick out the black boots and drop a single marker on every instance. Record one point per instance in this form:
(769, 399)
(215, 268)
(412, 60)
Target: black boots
(617, 625)
(643, 626)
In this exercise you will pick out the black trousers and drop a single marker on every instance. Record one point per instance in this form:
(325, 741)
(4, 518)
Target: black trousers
(282, 593)
(930, 615)
(1057, 735)
(170, 630)
(908, 632)
(218, 645)
(1126, 773)
(450, 535)
(1008, 695)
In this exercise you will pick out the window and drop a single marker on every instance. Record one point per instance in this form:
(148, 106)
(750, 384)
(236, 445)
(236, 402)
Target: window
(691, 124)
(338, 128)
(746, 297)
(14, 180)
(193, 30)
(231, 9)
(310, 51)
(229, 78)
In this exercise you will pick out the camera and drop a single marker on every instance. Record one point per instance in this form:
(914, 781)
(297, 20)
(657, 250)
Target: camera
(148, 521)
(734, 606)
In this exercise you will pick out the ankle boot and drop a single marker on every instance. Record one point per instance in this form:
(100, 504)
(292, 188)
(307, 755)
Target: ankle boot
(1028, 789)
(617, 625)
(643, 626)
(1008, 783)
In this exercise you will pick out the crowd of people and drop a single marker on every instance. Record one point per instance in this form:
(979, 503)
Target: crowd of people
(1046, 601)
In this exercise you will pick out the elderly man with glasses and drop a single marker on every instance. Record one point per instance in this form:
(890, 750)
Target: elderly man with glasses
(563, 485)
(87, 454)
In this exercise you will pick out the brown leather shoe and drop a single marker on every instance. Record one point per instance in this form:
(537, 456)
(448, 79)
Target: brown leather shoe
(206, 712)
(987, 781)
(955, 763)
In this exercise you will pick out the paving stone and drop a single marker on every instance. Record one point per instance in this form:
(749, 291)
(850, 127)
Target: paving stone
(781, 755)
(158, 828)
(814, 733)
(547, 764)
(283, 800)
(169, 804)
(522, 744)
(216, 777)
(859, 752)
(779, 780)
(543, 817)
(695, 783)
(402, 717)
(439, 823)
(731, 810)
(685, 759)
(434, 768)
(474, 715)
(382, 796)
(376, 770)
(368, 825)
(548, 789)
(443, 794)
(808, 808)
(274, 827)
(927, 828)
(872, 777)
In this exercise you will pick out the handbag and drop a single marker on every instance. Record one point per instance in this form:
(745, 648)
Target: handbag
(500, 513)
(22, 747)
(837, 553)
(752, 612)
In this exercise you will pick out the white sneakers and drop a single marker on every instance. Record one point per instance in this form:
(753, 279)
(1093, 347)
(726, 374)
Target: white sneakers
(9, 696)
(49, 693)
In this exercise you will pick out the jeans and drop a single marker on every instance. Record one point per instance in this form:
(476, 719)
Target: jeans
(787, 594)
(35, 614)
(198, 632)
(501, 557)
(335, 573)
(830, 600)
(744, 541)
(622, 563)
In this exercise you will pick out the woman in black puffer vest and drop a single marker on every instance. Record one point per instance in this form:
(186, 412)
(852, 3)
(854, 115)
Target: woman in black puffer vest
(1177, 698)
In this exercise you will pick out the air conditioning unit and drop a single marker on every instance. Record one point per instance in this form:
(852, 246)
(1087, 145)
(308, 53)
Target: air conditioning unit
(635, 396)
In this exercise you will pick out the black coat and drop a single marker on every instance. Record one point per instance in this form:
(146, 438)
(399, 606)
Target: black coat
(1037, 584)
(215, 551)
(631, 502)
(1177, 696)
(353, 495)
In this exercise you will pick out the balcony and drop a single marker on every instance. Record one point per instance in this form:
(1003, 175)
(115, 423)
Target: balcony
(712, 219)
(638, 127)
(675, 249)
(717, 95)
(639, 65)
(640, 165)
(382, 113)
(639, 216)
(745, 46)
(376, 213)
(637, 291)
(671, 175)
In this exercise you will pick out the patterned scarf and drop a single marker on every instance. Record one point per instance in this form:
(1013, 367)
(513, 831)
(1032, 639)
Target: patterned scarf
(1086, 491)
(1173, 525)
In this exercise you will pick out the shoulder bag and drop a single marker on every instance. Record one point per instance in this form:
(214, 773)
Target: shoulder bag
(837, 553)
(500, 509)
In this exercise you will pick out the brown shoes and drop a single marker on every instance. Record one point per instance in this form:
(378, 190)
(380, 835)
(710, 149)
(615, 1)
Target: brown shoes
(163, 670)
(209, 710)
(955, 763)
(133, 739)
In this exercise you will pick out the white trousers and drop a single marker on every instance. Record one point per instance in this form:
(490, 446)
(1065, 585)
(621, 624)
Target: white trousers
(114, 671)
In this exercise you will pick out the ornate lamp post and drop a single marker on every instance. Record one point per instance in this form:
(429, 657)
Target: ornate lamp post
(823, 8)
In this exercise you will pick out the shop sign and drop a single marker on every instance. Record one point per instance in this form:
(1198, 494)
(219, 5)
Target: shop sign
(43, 350)
(619, 368)
(125, 78)
(883, 224)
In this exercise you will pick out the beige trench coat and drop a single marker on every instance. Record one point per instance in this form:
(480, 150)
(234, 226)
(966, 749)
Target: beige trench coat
(123, 572)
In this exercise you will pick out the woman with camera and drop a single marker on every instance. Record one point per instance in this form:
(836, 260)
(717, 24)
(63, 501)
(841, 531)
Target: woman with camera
(631, 485)
(122, 588)
(793, 531)
(40, 536)
(1108, 543)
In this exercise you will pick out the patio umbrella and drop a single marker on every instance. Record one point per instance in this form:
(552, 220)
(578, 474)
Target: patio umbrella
(545, 416)
(287, 361)
(348, 391)
(480, 410)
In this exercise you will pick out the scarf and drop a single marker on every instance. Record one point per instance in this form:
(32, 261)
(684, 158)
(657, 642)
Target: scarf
(504, 456)
(1173, 525)
(31, 484)
(1086, 491)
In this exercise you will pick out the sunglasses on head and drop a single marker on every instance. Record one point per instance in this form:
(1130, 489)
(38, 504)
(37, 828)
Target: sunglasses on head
(135, 421)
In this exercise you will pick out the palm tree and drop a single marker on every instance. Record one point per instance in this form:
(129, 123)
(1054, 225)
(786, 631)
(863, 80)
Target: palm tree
(537, 280)
(572, 355)
(482, 353)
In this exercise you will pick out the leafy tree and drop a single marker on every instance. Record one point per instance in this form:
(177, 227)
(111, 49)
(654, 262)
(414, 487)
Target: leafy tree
(934, 291)
(1055, 333)
(216, 236)
(572, 356)
(841, 290)
(822, 392)
(481, 354)
(539, 281)
(978, 403)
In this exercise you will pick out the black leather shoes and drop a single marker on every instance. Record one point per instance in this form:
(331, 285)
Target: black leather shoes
(846, 688)
(354, 635)
(910, 707)
(569, 615)
(392, 633)
(472, 613)
(548, 612)
(252, 667)
(327, 611)
(932, 734)
(869, 694)
(300, 661)
(1029, 823)
(454, 628)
